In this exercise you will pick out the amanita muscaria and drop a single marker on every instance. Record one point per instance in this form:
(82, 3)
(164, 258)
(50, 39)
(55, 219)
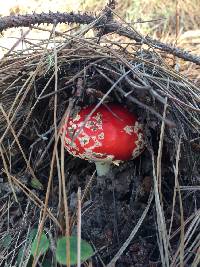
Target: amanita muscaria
(110, 135)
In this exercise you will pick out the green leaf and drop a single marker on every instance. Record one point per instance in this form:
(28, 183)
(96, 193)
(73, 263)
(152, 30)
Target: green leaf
(30, 238)
(43, 246)
(86, 250)
(6, 241)
(32, 234)
(35, 183)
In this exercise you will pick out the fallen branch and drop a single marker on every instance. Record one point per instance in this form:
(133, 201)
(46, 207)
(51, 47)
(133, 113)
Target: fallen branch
(105, 23)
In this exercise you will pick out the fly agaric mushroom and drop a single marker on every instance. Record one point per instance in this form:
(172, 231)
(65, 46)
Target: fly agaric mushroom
(110, 135)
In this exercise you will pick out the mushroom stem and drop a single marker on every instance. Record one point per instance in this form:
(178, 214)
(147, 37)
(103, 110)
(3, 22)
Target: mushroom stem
(102, 167)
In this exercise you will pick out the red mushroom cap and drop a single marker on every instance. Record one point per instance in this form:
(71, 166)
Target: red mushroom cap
(110, 134)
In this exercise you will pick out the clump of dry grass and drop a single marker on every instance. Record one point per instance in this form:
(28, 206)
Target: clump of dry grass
(41, 84)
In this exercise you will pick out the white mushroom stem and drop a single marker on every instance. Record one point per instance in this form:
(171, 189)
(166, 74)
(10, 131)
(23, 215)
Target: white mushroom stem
(102, 167)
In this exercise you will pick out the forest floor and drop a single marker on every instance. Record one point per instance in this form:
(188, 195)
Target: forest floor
(145, 212)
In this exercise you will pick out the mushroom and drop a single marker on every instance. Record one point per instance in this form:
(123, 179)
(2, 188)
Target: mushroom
(110, 135)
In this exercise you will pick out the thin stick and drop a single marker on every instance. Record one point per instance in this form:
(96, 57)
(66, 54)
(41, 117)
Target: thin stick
(66, 210)
(181, 246)
(61, 169)
(163, 239)
(79, 227)
(181, 207)
(55, 119)
(160, 150)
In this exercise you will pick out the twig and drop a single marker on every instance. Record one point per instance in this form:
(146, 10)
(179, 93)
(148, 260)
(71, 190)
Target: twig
(160, 151)
(107, 25)
(161, 225)
(32, 19)
(66, 209)
(176, 171)
(79, 227)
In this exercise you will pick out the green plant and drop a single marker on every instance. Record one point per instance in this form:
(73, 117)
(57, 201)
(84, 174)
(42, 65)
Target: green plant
(43, 245)
(26, 248)
(31, 246)
(61, 257)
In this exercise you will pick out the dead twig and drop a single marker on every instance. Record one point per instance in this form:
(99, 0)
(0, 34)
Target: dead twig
(111, 27)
